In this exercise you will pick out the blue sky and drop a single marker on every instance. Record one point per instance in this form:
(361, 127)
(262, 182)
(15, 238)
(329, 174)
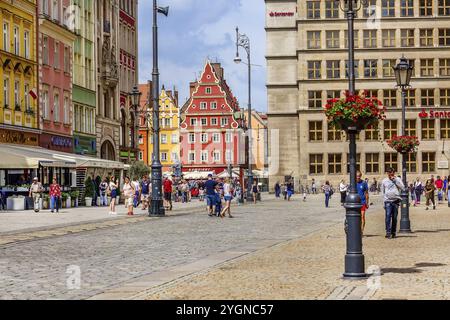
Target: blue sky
(199, 29)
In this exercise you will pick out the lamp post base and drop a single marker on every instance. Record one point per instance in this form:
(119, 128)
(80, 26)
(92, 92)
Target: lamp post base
(405, 223)
(156, 208)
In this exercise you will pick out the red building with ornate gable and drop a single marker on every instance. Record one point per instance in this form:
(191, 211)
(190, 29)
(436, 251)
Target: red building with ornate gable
(210, 130)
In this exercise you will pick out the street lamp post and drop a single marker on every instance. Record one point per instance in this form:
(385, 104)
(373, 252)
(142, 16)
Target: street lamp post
(244, 41)
(354, 258)
(403, 72)
(157, 207)
(135, 95)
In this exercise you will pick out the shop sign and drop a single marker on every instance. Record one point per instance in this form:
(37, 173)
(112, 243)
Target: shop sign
(281, 14)
(61, 142)
(15, 137)
(434, 114)
(443, 164)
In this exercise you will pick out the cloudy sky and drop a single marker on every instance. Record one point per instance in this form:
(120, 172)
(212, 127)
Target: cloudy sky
(196, 30)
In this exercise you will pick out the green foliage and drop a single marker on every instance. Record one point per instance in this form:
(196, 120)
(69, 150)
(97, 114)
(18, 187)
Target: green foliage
(138, 169)
(89, 188)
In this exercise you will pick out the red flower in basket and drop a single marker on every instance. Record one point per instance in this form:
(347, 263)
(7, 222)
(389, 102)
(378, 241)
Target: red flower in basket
(404, 144)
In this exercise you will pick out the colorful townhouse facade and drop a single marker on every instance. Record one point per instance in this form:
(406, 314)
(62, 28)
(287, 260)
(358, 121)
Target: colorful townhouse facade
(210, 129)
(84, 82)
(18, 73)
(55, 45)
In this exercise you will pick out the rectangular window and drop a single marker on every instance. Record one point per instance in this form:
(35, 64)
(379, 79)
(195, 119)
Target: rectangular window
(313, 9)
(163, 139)
(55, 10)
(45, 50)
(56, 116)
(355, 38)
(26, 44)
(370, 68)
(193, 121)
(407, 37)
(334, 134)
(333, 94)
(444, 37)
(164, 156)
(191, 137)
(425, 8)
(204, 137)
(444, 67)
(444, 97)
(332, 39)
(427, 97)
(213, 105)
(204, 156)
(445, 128)
(356, 62)
(45, 105)
(313, 40)
(66, 59)
(428, 129)
(16, 41)
(426, 37)
(388, 38)
(314, 70)
(56, 56)
(203, 105)
(391, 160)
(66, 110)
(216, 137)
(410, 128)
(426, 67)
(388, 72)
(175, 138)
(444, 7)
(316, 163)
(26, 90)
(315, 131)
(372, 163)
(223, 122)
(369, 8)
(331, 9)
(371, 133)
(390, 98)
(6, 36)
(191, 156)
(428, 162)
(411, 97)
(17, 94)
(204, 121)
(407, 8)
(208, 90)
(216, 156)
(388, 8)
(228, 156)
(390, 129)
(214, 121)
(333, 69)
(411, 162)
(370, 38)
(334, 163)
(228, 137)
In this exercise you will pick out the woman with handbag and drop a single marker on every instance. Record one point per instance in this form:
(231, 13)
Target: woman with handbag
(128, 193)
(112, 189)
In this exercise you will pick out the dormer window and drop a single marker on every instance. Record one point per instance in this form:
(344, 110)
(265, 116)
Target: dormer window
(208, 90)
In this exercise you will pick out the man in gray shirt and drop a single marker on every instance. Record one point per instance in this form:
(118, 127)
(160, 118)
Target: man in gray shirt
(391, 188)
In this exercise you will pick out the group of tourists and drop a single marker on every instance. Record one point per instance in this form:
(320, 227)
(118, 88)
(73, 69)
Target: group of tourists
(432, 187)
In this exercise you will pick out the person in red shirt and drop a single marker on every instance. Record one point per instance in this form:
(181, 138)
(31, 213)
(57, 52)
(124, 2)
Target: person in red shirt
(439, 183)
(167, 189)
(55, 195)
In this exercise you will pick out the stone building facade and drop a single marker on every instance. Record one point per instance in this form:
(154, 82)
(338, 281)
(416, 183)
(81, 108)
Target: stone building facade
(306, 62)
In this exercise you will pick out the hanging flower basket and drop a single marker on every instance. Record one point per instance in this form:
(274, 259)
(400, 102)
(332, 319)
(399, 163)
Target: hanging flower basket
(404, 144)
(354, 111)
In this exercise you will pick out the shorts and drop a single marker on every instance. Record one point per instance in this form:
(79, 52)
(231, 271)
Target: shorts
(144, 197)
(228, 198)
(113, 193)
(168, 196)
(364, 208)
(210, 200)
(129, 201)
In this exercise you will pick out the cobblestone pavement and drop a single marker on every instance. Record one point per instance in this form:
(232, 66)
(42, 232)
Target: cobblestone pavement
(109, 257)
(412, 266)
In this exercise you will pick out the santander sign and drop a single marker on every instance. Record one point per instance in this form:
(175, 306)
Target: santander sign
(281, 14)
(433, 114)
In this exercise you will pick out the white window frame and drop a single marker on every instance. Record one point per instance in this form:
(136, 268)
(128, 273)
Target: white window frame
(45, 104)
(214, 105)
(208, 90)
(163, 138)
(228, 156)
(228, 137)
(16, 93)
(203, 106)
(26, 39)
(191, 138)
(223, 122)
(66, 115)
(45, 52)
(194, 121)
(216, 156)
(56, 107)
(214, 121)
(204, 138)
(56, 57)
(16, 40)
(6, 87)
(175, 138)
(204, 121)
(216, 137)
(6, 43)
(26, 99)
(191, 156)
(204, 156)
(165, 156)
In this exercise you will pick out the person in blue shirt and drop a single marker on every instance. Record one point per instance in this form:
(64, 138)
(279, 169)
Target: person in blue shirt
(145, 192)
(210, 191)
(363, 191)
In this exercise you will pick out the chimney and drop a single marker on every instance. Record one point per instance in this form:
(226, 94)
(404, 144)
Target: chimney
(175, 93)
(218, 69)
(192, 87)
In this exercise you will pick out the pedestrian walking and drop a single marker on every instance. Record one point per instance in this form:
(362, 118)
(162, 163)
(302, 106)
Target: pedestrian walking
(145, 192)
(218, 200)
(277, 189)
(103, 187)
(36, 190)
(343, 190)
(255, 191)
(326, 188)
(289, 190)
(129, 193)
(439, 183)
(430, 189)
(167, 188)
(55, 196)
(412, 192)
(445, 187)
(363, 191)
(113, 192)
(227, 196)
(391, 188)
(210, 187)
(285, 189)
(137, 192)
(313, 187)
(418, 190)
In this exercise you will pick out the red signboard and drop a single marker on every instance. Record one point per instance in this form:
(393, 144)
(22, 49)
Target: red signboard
(434, 114)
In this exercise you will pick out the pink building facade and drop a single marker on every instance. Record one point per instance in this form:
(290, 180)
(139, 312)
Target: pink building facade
(55, 47)
(210, 129)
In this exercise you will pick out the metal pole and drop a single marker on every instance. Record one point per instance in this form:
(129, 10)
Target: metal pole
(354, 258)
(405, 223)
(250, 173)
(156, 208)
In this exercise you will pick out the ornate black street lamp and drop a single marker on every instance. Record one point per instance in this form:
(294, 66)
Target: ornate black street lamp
(157, 207)
(135, 96)
(403, 72)
(354, 258)
(244, 41)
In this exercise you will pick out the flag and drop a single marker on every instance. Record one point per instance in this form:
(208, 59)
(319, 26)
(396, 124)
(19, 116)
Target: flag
(33, 94)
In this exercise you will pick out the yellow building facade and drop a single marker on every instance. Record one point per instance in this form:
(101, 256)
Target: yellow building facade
(169, 121)
(18, 73)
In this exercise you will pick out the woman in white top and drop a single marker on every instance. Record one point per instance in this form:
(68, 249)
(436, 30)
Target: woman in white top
(228, 196)
(128, 193)
(343, 190)
(113, 191)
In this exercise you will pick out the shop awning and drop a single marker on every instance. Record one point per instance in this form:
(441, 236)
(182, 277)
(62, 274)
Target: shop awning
(224, 174)
(20, 157)
(25, 157)
(197, 174)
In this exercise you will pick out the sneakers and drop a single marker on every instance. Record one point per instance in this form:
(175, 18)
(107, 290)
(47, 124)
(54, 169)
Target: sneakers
(388, 236)
(434, 207)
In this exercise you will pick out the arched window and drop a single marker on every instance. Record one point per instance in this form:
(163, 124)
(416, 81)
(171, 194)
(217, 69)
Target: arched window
(107, 151)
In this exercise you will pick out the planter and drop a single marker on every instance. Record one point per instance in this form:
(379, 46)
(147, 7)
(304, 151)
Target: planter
(109, 200)
(348, 125)
(76, 202)
(68, 202)
(88, 202)
(15, 204)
